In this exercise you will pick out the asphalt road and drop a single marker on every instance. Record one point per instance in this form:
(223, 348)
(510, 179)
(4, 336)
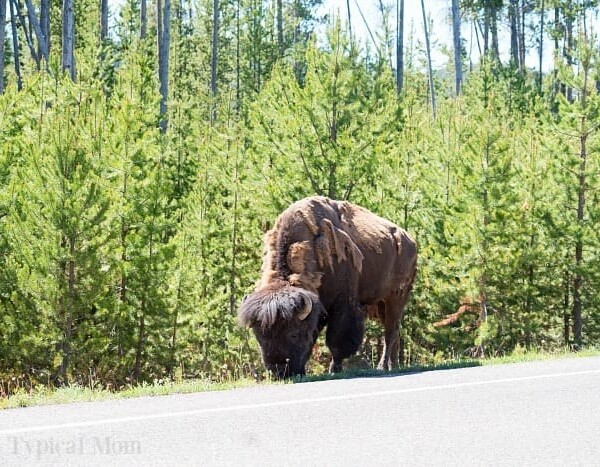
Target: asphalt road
(543, 413)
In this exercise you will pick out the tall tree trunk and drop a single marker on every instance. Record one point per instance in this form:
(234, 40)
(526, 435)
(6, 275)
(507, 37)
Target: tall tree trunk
(514, 32)
(2, 36)
(577, 276)
(522, 36)
(164, 45)
(494, 32)
(139, 348)
(43, 51)
(457, 45)
(234, 234)
(399, 45)
(27, 32)
(486, 27)
(429, 65)
(238, 51)
(123, 282)
(541, 54)
(360, 12)
(45, 24)
(350, 18)
(103, 20)
(68, 308)
(280, 44)
(68, 38)
(566, 313)
(143, 19)
(15, 43)
(558, 87)
(214, 60)
(581, 200)
(568, 51)
(518, 35)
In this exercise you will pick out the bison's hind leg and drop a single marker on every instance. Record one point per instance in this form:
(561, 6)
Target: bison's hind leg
(390, 317)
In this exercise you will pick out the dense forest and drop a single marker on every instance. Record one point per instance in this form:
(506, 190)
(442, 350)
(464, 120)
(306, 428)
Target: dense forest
(144, 154)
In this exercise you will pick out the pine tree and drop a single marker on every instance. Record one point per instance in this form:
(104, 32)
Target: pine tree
(323, 134)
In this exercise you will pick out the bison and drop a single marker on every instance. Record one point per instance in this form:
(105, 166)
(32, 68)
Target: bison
(329, 264)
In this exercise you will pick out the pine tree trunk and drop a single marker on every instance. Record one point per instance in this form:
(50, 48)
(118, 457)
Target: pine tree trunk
(541, 54)
(486, 27)
(557, 85)
(35, 24)
(399, 45)
(280, 44)
(238, 51)
(429, 65)
(103, 20)
(45, 24)
(514, 33)
(457, 45)
(214, 49)
(566, 306)
(143, 19)
(27, 32)
(139, 348)
(164, 44)
(490, 30)
(123, 282)
(2, 36)
(15, 43)
(234, 237)
(68, 38)
(67, 307)
(522, 28)
(214, 60)
(581, 198)
(567, 52)
(350, 17)
(577, 277)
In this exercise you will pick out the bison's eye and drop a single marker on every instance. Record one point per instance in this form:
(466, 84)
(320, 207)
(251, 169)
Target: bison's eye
(295, 335)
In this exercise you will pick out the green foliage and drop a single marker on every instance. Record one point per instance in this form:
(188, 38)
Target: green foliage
(323, 135)
(125, 251)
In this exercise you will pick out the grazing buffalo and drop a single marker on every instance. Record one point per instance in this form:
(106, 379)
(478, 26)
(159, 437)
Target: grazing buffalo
(329, 264)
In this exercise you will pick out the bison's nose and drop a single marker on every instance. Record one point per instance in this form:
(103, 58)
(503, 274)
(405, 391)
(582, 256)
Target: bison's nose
(280, 369)
(285, 370)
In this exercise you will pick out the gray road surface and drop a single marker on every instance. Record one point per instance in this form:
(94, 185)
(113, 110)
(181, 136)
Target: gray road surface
(543, 413)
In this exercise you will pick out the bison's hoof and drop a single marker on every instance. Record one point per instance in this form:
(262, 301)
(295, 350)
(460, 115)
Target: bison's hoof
(335, 367)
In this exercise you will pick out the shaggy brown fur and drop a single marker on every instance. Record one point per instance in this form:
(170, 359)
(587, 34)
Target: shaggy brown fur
(347, 257)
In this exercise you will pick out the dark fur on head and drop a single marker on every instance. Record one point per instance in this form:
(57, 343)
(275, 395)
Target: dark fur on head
(286, 322)
(265, 307)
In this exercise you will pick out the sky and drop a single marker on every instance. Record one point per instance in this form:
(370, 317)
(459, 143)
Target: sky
(441, 27)
(437, 10)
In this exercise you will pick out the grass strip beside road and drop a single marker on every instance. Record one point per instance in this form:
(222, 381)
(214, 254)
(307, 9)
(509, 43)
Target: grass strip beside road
(45, 395)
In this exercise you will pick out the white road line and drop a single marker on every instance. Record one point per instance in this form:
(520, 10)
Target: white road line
(265, 405)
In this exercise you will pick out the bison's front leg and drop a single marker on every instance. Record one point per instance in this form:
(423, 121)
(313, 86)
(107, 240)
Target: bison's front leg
(345, 331)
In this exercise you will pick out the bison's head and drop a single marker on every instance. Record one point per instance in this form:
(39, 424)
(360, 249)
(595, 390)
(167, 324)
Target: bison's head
(286, 324)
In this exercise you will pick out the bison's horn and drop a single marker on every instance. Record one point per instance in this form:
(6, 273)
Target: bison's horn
(304, 312)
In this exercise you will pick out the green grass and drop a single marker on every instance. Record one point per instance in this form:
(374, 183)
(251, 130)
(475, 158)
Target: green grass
(44, 395)
(522, 355)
